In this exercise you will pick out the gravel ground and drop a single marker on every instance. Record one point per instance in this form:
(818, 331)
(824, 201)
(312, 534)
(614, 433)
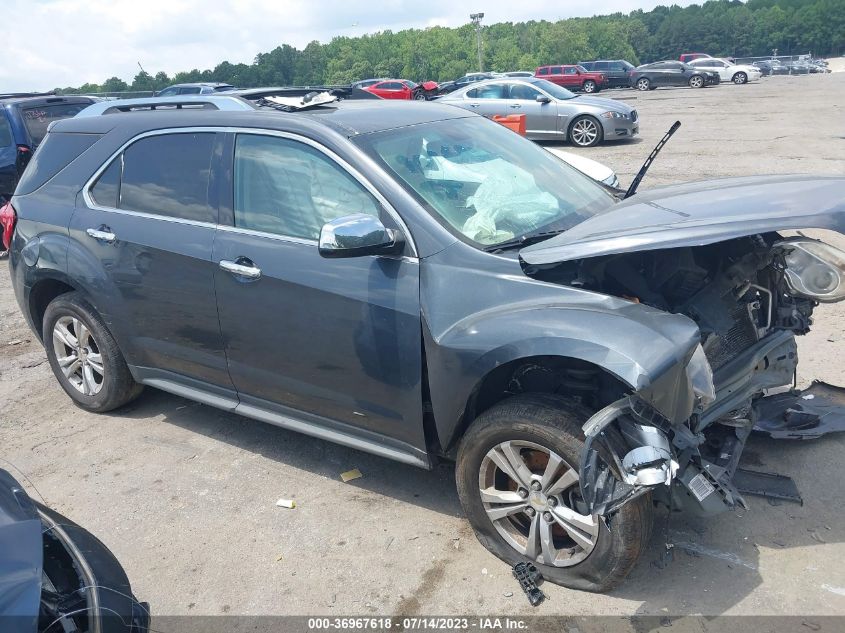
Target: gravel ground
(185, 494)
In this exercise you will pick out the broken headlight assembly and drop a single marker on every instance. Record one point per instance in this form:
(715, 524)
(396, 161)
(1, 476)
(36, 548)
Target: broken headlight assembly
(814, 269)
(700, 375)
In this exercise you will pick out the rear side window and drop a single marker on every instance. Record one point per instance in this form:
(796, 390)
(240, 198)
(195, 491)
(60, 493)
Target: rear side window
(38, 118)
(543, 71)
(53, 155)
(557, 70)
(106, 192)
(168, 175)
(601, 66)
(5, 131)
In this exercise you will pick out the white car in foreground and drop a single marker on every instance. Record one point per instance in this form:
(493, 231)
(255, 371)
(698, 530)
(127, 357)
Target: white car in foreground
(737, 73)
(587, 166)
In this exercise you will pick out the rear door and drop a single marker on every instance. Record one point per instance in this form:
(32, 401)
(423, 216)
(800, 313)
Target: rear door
(8, 155)
(144, 233)
(327, 340)
(490, 100)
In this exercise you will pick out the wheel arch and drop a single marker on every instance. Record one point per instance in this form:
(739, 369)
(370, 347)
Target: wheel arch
(44, 291)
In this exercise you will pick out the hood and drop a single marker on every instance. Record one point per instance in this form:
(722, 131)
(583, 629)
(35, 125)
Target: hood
(588, 166)
(700, 213)
(21, 557)
(600, 102)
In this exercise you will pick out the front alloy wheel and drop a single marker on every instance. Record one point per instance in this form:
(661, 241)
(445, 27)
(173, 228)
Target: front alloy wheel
(643, 84)
(740, 78)
(531, 496)
(585, 132)
(589, 86)
(696, 81)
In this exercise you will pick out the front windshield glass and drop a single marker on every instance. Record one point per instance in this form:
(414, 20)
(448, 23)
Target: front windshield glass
(554, 90)
(486, 183)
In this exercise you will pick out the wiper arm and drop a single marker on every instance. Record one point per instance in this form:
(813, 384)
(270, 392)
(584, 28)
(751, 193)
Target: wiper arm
(519, 242)
(648, 161)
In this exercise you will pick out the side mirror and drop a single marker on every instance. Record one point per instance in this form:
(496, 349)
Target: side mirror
(542, 99)
(357, 235)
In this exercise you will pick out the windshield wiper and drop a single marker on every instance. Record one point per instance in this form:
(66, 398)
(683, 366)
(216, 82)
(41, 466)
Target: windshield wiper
(524, 240)
(648, 161)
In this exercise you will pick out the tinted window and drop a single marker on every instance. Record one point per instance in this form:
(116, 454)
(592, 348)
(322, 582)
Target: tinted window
(570, 71)
(5, 131)
(223, 88)
(38, 118)
(523, 91)
(600, 66)
(615, 66)
(53, 155)
(492, 91)
(390, 85)
(589, 65)
(543, 71)
(194, 90)
(168, 175)
(168, 92)
(106, 192)
(557, 70)
(289, 188)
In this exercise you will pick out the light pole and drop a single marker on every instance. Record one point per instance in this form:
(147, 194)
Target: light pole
(476, 19)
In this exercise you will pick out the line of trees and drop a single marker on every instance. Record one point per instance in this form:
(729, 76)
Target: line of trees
(720, 27)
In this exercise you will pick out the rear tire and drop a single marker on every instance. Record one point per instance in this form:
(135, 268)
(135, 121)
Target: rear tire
(85, 357)
(531, 426)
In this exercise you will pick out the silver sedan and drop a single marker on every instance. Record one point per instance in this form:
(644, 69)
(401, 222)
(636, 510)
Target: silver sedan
(552, 112)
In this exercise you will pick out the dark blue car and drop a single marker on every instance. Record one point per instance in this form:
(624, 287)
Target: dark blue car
(24, 119)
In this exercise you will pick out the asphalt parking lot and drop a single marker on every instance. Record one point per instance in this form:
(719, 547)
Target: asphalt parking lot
(185, 494)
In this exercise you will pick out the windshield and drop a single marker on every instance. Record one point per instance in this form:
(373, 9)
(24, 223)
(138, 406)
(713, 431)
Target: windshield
(484, 182)
(554, 90)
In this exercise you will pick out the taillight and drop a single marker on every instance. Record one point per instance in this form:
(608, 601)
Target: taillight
(8, 219)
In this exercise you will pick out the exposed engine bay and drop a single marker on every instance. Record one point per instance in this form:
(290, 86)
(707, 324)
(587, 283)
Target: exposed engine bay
(749, 298)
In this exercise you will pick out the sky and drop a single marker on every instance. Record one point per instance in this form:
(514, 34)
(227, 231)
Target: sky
(71, 42)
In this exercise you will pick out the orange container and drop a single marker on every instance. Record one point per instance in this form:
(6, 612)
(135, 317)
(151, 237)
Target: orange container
(515, 122)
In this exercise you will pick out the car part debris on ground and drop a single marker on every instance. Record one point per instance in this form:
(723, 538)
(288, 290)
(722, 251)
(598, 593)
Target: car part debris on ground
(349, 475)
(527, 575)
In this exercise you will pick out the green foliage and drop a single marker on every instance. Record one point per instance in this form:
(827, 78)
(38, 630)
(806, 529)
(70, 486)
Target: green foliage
(718, 27)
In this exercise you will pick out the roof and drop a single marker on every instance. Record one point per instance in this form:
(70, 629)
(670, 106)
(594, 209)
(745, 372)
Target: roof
(210, 84)
(349, 118)
(216, 102)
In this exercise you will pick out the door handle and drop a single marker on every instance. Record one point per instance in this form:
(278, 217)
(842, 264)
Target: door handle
(516, 105)
(103, 234)
(474, 105)
(244, 269)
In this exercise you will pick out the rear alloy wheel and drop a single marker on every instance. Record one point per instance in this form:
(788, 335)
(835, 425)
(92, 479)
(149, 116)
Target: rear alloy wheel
(85, 357)
(643, 84)
(517, 477)
(585, 131)
(696, 81)
(589, 86)
(740, 78)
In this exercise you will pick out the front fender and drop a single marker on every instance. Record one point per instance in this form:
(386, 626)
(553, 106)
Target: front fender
(477, 319)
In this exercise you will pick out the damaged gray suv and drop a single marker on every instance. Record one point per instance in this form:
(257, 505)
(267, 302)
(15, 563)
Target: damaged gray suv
(416, 281)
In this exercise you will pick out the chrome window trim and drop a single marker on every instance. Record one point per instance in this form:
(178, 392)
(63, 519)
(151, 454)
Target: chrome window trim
(340, 162)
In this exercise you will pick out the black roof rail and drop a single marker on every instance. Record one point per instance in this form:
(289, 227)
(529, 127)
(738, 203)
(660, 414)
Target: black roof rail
(22, 95)
(341, 92)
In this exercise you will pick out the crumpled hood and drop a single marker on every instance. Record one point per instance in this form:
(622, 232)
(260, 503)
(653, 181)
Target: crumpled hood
(21, 558)
(699, 213)
(601, 102)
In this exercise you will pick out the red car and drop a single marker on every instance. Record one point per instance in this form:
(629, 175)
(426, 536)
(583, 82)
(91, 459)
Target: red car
(688, 57)
(403, 89)
(573, 77)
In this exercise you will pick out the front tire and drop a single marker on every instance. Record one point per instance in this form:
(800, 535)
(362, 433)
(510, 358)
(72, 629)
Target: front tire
(740, 78)
(585, 131)
(85, 357)
(517, 478)
(643, 84)
(696, 81)
(589, 86)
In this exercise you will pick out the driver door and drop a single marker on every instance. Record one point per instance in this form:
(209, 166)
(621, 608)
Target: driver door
(323, 340)
(540, 118)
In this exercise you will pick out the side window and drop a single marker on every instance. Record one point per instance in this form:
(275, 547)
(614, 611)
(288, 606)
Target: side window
(571, 70)
(168, 175)
(616, 66)
(192, 90)
(491, 91)
(523, 91)
(602, 66)
(5, 131)
(289, 188)
(543, 71)
(557, 70)
(106, 192)
(472, 93)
